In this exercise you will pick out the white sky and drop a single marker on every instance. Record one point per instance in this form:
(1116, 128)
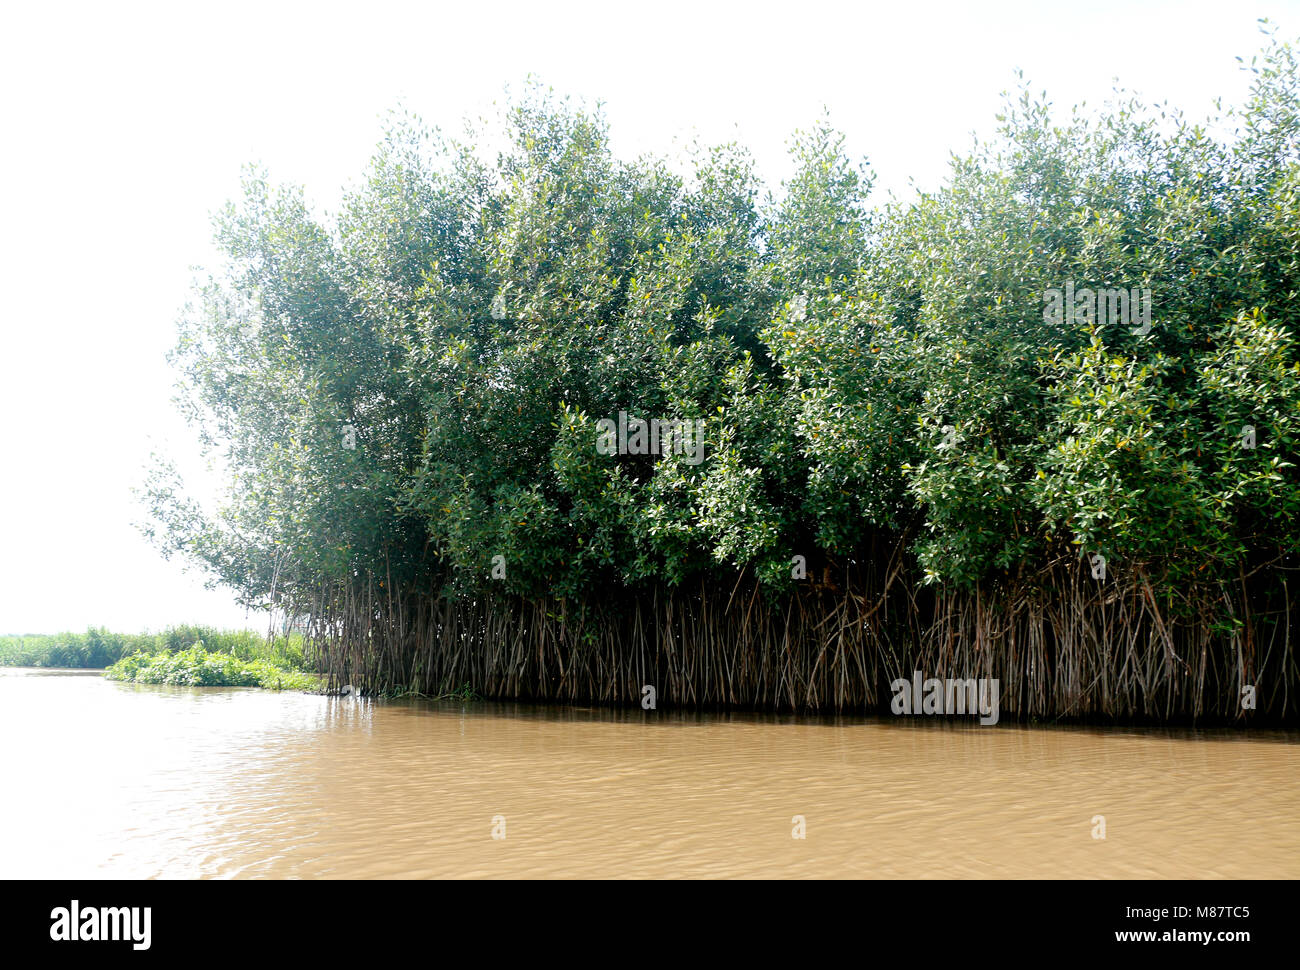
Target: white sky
(125, 125)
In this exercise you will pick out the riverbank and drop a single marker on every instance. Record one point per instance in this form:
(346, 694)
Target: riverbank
(99, 648)
(197, 667)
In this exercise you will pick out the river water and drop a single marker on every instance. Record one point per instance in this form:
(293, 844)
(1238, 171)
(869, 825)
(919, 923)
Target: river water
(113, 780)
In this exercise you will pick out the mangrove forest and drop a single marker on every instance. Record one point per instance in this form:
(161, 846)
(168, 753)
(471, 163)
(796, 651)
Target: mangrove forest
(560, 425)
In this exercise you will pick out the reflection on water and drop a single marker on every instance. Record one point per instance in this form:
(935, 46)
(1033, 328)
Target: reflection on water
(112, 780)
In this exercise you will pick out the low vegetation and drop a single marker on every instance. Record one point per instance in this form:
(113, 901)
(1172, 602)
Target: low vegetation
(99, 648)
(198, 667)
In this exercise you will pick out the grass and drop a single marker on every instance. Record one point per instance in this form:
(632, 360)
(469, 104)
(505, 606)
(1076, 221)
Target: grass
(199, 667)
(98, 648)
(189, 656)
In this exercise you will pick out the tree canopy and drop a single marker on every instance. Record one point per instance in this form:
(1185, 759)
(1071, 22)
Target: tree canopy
(409, 392)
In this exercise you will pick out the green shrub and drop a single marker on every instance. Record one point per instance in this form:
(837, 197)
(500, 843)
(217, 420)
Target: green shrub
(197, 667)
(98, 648)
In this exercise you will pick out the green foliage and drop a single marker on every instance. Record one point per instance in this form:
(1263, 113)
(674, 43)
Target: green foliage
(197, 667)
(98, 648)
(95, 648)
(863, 374)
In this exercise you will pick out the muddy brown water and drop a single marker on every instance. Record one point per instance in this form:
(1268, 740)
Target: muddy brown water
(112, 780)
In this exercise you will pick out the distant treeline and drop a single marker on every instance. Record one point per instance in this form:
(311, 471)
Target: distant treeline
(1040, 424)
(98, 648)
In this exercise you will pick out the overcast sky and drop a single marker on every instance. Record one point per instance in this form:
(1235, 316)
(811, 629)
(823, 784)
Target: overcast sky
(125, 125)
